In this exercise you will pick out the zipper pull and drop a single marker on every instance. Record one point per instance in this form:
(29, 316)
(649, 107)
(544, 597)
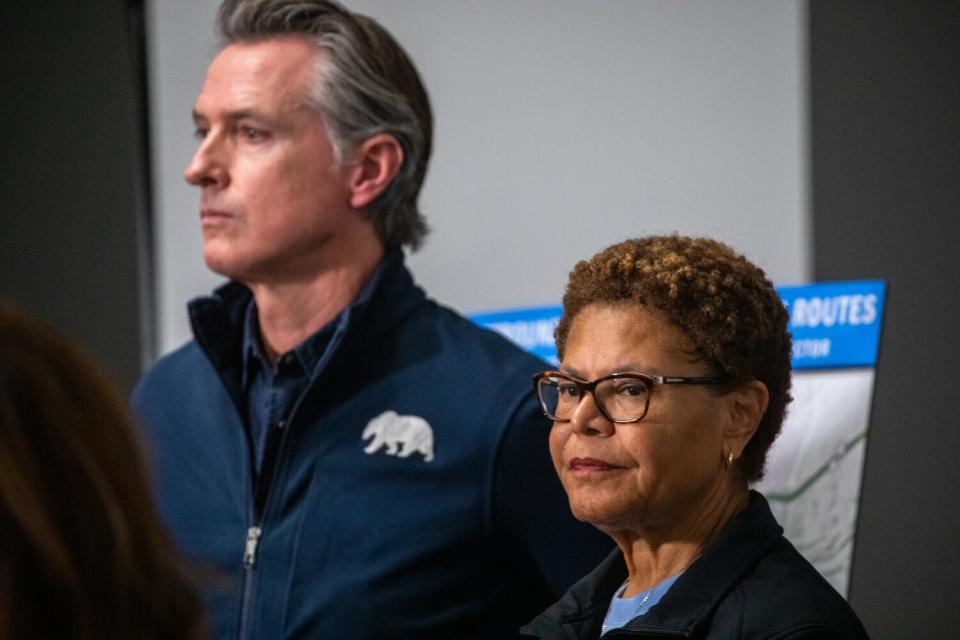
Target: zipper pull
(250, 551)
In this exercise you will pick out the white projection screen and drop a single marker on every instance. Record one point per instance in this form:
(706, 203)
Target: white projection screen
(561, 127)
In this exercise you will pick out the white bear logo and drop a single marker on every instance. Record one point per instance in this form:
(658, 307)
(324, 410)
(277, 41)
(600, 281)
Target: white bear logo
(401, 435)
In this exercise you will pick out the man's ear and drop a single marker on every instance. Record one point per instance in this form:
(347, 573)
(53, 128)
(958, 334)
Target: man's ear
(746, 406)
(377, 161)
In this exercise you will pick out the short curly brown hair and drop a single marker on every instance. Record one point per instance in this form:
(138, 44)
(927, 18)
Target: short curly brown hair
(722, 302)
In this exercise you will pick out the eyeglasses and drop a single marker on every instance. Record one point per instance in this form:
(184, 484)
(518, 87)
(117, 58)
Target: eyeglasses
(620, 397)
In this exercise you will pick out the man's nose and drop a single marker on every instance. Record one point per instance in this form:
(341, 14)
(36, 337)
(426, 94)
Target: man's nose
(587, 419)
(208, 166)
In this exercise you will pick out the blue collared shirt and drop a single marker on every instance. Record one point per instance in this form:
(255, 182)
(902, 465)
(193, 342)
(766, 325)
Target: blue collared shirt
(272, 390)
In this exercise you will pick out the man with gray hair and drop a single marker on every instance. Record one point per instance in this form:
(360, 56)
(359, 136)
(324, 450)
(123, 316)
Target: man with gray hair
(350, 459)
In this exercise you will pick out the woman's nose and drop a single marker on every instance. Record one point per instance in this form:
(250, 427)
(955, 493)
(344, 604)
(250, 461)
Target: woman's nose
(587, 419)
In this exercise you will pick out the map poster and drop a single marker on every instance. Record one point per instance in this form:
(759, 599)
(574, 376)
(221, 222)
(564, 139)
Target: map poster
(815, 467)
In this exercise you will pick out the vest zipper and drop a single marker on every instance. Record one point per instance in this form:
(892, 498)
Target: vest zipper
(261, 490)
(250, 550)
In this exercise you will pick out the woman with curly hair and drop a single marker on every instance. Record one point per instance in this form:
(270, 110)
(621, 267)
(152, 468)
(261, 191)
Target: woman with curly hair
(83, 553)
(673, 383)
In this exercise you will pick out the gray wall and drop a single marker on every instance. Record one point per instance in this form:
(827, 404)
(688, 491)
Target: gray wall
(885, 96)
(562, 126)
(72, 174)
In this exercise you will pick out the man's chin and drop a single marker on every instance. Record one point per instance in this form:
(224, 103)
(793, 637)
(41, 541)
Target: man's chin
(222, 265)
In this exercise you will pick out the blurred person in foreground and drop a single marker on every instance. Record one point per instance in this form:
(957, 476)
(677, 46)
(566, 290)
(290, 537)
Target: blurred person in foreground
(83, 553)
(673, 384)
(356, 460)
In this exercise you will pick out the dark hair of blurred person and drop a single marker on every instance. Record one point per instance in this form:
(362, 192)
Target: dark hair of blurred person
(84, 554)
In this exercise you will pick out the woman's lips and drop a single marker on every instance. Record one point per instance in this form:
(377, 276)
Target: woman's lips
(591, 465)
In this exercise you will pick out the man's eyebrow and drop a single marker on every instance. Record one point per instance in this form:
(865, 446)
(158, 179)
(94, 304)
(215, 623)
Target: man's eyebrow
(236, 114)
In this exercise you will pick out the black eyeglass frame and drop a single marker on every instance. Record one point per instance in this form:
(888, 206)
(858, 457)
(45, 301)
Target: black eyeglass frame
(648, 380)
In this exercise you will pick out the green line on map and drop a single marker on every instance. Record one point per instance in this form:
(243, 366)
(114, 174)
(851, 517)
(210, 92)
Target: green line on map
(809, 482)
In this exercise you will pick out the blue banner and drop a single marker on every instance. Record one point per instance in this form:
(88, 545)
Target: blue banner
(530, 328)
(834, 324)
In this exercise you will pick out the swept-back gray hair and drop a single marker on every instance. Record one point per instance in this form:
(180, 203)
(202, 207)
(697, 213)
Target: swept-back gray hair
(365, 85)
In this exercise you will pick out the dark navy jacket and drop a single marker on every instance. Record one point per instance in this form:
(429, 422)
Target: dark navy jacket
(750, 583)
(338, 543)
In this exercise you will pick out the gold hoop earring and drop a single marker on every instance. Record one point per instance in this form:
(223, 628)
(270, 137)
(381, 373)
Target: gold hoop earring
(729, 461)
